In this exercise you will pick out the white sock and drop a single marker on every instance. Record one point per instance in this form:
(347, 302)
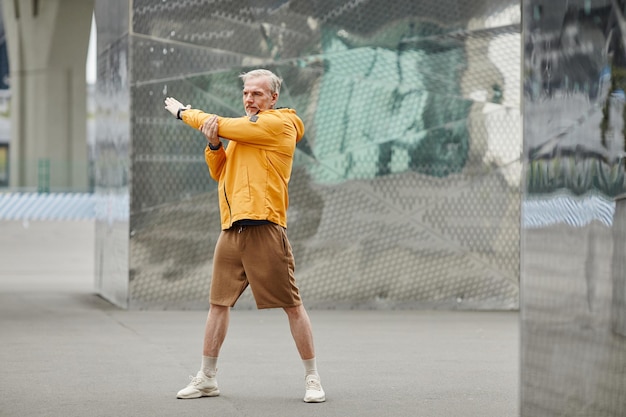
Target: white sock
(310, 367)
(209, 366)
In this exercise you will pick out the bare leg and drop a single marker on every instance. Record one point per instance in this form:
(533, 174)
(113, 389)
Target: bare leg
(215, 330)
(301, 331)
(205, 384)
(303, 336)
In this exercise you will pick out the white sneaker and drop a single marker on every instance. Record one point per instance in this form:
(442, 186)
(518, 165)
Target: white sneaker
(314, 392)
(200, 386)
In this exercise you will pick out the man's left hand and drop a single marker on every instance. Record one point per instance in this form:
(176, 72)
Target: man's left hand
(172, 105)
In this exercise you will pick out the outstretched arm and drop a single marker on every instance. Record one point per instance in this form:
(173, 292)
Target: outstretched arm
(196, 117)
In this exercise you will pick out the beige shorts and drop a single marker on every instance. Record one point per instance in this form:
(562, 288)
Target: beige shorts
(260, 256)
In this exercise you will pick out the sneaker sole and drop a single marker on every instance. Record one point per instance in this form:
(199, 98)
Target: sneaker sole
(315, 400)
(199, 394)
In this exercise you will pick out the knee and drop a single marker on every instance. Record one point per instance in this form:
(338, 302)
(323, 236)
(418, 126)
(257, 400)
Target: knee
(295, 312)
(214, 309)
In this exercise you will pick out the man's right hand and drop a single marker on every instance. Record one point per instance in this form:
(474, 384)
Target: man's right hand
(172, 105)
(210, 129)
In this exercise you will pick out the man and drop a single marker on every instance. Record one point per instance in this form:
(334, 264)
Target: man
(252, 249)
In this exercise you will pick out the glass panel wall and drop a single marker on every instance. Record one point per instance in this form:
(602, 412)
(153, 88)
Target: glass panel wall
(572, 270)
(112, 151)
(406, 187)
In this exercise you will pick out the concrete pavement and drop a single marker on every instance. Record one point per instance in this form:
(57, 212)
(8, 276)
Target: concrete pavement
(66, 352)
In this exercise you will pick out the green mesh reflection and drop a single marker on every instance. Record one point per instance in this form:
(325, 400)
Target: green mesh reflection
(383, 110)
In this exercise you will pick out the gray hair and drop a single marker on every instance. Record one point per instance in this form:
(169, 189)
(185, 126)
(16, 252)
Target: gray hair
(274, 80)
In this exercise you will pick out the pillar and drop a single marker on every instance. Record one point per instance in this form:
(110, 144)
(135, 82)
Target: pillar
(47, 47)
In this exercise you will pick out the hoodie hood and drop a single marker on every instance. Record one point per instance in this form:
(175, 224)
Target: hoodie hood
(297, 122)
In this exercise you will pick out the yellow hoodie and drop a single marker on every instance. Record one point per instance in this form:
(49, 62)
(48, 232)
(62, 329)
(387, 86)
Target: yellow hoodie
(253, 172)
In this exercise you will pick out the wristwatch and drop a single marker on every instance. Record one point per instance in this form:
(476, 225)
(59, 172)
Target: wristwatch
(214, 148)
(178, 116)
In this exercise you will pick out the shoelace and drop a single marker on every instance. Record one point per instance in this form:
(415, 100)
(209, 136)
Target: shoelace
(313, 384)
(195, 380)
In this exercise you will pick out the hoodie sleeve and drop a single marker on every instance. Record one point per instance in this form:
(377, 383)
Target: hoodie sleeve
(195, 118)
(267, 129)
(215, 161)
